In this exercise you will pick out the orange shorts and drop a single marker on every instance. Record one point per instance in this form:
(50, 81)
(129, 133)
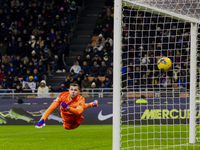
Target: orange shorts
(71, 121)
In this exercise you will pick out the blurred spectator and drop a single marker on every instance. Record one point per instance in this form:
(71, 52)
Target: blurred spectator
(68, 81)
(17, 61)
(182, 82)
(31, 83)
(46, 49)
(78, 81)
(95, 53)
(176, 74)
(6, 58)
(97, 59)
(130, 82)
(98, 47)
(21, 70)
(96, 81)
(14, 3)
(18, 89)
(136, 85)
(76, 68)
(74, 10)
(1, 90)
(40, 42)
(62, 88)
(109, 73)
(107, 60)
(32, 42)
(97, 30)
(166, 82)
(25, 61)
(61, 65)
(100, 41)
(10, 76)
(48, 4)
(26, 88)
(85, 67)
(31, 66)
(94, 70)
(27, 75)
(155, 82)
(4, 69)
(37, 76)
(108, 82)
(42, 89)
(143, 82)
(103, 69)
(52, 34)
(15, 82)
(85, 83)
(93, 85)
(5, 83)
(41, 69)
(2, 49)
(99, 21)
(81, 74)
(108, 19)
(145, 59)
(50, 62)
(102, 87)
(79, 60)
(109, 40)
(124, 68)
(12, 69)
(1, 75)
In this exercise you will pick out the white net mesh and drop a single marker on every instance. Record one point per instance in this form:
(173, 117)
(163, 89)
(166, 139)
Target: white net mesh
(189, 8)
(155, 108)
(185, 9)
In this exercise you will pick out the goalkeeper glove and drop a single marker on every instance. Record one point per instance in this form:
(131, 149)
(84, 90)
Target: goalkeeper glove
(64, 105)
(40, 124)
(94, 103)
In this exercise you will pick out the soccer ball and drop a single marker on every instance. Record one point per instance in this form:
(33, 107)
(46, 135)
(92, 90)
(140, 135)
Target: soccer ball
(164, 64)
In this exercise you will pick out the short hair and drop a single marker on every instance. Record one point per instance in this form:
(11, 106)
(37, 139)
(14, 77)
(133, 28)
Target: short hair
(74, 84)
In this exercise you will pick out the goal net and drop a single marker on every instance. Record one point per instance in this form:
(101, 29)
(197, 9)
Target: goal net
(159, 110)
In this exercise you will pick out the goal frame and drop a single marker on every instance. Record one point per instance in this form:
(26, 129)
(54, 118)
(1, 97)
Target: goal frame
(117, 65)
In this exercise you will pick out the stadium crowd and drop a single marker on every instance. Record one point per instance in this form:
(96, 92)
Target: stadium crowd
(34, 38)
(146, 38)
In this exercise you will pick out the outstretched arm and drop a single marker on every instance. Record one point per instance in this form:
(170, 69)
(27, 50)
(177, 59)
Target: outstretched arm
(51, 108)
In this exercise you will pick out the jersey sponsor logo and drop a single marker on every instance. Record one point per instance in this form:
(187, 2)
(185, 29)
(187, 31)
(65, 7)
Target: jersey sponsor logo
(102, 117)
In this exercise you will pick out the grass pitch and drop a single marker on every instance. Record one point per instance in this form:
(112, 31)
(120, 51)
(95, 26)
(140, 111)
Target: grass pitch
(95, 137)
(55, 137)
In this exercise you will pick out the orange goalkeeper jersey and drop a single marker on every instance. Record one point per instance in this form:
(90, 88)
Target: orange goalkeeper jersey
(74, 115)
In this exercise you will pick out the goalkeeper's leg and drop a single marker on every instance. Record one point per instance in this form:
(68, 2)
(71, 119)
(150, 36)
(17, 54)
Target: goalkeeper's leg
(91, 104)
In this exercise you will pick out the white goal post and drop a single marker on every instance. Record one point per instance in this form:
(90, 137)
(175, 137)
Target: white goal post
(117, 74)
(157, 7)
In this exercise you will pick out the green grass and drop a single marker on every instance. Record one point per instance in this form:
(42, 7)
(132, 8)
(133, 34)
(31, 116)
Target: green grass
(95, 137)
(55, 137)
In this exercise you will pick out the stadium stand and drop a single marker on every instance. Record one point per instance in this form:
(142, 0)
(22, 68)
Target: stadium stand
(52, 35)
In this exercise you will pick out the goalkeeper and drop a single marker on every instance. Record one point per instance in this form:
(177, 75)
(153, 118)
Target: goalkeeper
(72, 106)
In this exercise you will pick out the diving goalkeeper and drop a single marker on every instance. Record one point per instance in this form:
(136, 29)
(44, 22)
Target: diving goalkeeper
(71, 105)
